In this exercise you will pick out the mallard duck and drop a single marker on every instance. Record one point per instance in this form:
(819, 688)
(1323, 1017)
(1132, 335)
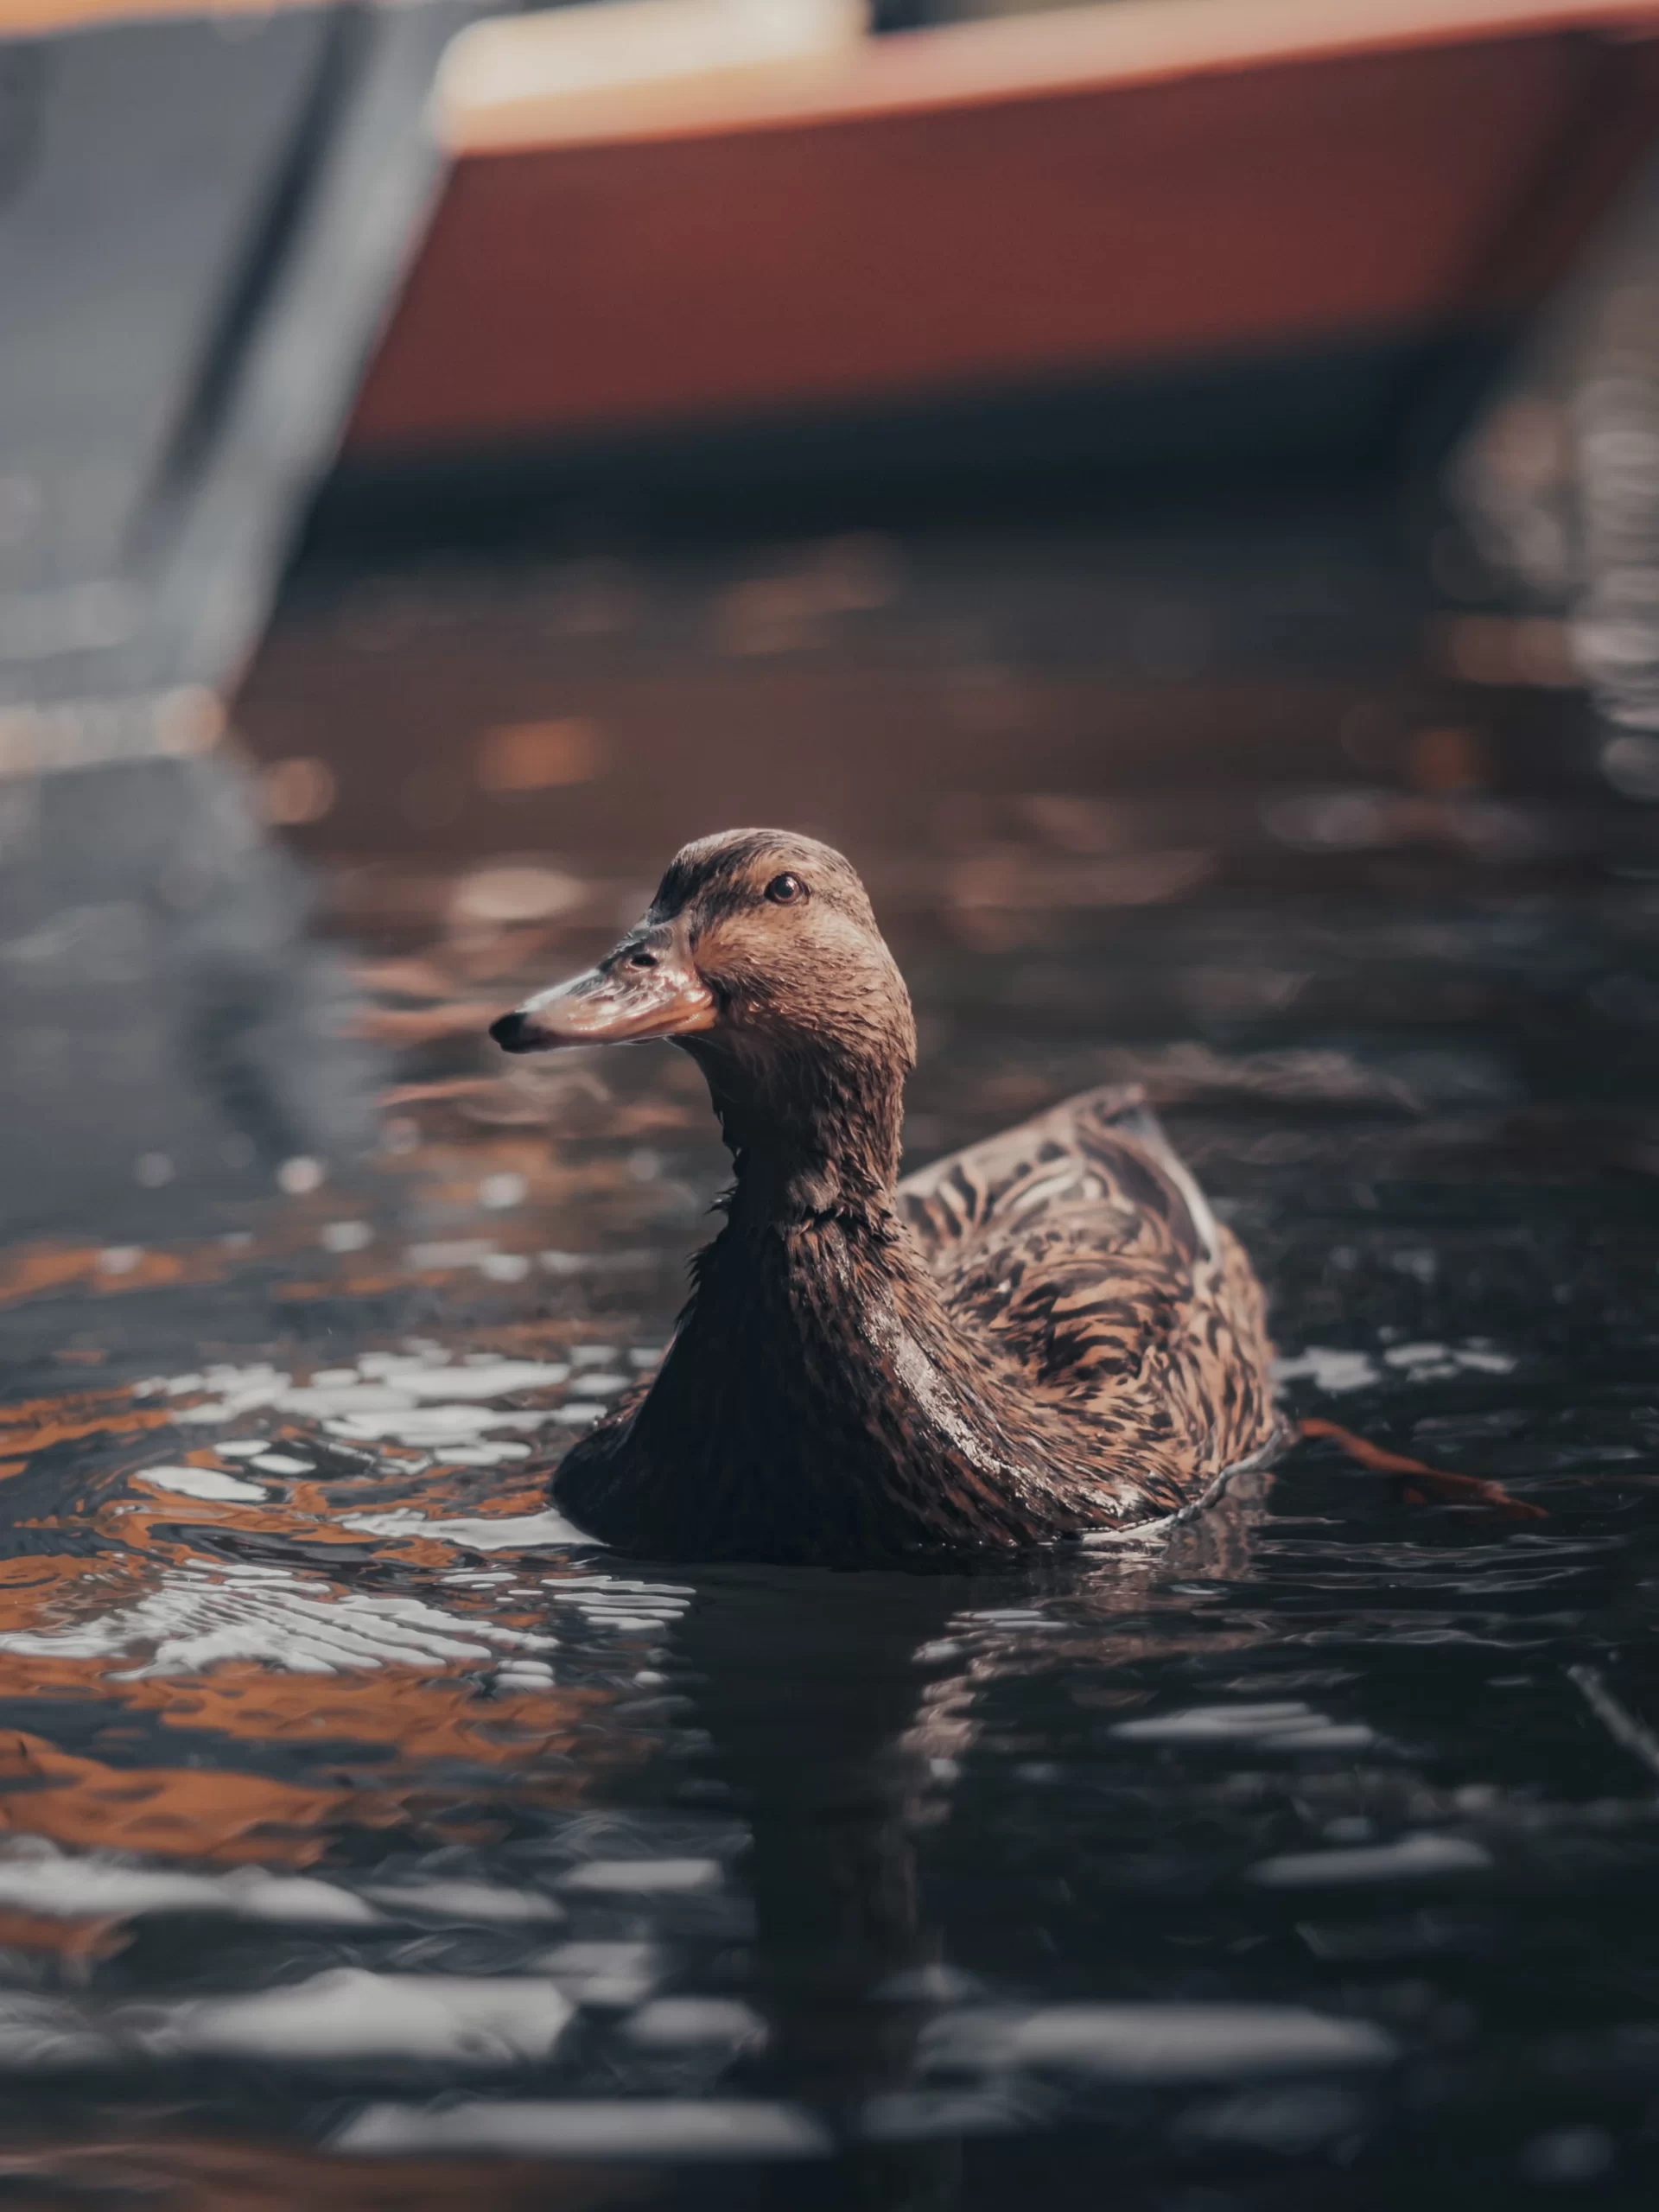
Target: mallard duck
(1046, 1335)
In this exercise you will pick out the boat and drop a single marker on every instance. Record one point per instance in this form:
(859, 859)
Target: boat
(710, 237)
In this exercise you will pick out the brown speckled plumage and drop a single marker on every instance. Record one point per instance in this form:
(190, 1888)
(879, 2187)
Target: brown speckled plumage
(1044, 1335)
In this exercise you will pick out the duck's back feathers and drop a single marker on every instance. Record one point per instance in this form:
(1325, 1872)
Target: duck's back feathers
(1079, 1247)
(1101, 1156)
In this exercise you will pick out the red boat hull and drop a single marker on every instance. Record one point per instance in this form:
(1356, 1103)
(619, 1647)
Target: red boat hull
(901, 249)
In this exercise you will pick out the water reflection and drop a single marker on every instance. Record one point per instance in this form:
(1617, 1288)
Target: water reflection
(167, 1016)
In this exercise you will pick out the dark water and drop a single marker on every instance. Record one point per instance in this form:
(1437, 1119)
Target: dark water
(370, 1841)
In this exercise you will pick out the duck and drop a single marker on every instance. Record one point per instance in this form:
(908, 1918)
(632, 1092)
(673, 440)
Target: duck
(1047, 1335)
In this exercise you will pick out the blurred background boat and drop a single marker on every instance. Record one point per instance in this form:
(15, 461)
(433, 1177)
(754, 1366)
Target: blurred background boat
(700, 236)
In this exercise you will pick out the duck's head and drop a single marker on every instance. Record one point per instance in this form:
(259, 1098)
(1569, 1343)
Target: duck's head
(760, 954)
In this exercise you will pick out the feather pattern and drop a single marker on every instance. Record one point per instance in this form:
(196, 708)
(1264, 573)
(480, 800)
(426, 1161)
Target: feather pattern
(1081, 1248)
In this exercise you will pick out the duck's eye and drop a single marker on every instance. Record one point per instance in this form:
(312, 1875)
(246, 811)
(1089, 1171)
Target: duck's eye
(786, 890)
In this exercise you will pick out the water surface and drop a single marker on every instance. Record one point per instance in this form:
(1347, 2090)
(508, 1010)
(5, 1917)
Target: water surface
(367, 1837)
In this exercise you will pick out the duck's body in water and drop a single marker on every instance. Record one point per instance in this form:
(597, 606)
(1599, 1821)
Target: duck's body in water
(1044, 1335)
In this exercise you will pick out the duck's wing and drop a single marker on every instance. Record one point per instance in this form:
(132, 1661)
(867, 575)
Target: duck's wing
(1081, 1247)
(1098, 1164)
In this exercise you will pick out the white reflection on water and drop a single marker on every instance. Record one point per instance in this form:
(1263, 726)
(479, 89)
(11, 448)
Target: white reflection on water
(476, 2022)
(36, 1877)
(203, 1482)
(631, 2127)
(420, 1402)
(1335, 1371)
(1289, 1726)
(1155, 2043)
(198, 1616)
(517, 1532)
(469, 2021)
(686, 2022)
(604, 1976)
(1412, 1857)
(630, 1878)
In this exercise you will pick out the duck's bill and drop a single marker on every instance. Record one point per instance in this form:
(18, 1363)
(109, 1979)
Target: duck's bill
(612, 1004)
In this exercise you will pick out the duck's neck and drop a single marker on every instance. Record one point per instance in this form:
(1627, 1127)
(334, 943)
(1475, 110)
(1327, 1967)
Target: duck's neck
(813, 1305)
(814, 1309)
(810, 1143)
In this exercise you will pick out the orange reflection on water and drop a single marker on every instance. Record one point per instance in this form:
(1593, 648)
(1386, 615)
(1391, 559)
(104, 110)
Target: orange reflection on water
(212, 1814)
(38, 1423)
(51, 1270)
(389, 1736)
(540, 1746)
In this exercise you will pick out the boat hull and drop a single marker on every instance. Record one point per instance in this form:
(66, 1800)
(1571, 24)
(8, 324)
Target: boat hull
(1281, 257)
